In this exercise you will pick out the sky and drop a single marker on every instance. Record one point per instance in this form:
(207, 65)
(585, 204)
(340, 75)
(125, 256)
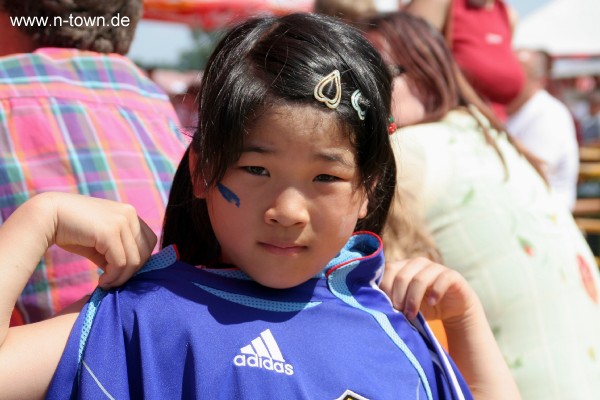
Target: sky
(525, 7)
(160, 42)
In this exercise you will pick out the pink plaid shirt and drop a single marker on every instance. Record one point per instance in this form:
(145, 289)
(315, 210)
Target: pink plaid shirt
(88, 123)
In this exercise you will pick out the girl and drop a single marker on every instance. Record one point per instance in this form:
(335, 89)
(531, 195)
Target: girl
(290, 158)
(492, 217)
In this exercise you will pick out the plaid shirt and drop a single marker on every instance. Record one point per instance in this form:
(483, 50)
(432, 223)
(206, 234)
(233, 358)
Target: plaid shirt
(88, 123)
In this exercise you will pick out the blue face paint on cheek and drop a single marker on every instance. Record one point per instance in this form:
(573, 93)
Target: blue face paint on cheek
(228, 194)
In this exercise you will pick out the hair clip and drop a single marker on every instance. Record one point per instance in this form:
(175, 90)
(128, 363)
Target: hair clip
(334, 78)
(392, 125)
(354, 101)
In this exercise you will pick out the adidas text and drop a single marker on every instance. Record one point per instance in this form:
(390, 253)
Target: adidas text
(242, 360)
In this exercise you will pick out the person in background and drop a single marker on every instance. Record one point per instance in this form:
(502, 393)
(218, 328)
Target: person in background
(492, 217)
(591, 122)
(545, 127)
(479, 33)
(353, 12)
(77, 116)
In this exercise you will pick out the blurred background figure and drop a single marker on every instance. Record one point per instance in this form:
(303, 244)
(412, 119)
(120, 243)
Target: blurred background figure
(491, 216)
(479, 33)
(77, 116)
(591, 122)
(351, 11)
(182, 87)
(545, 126)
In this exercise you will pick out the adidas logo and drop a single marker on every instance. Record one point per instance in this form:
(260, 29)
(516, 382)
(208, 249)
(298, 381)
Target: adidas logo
(263, 352)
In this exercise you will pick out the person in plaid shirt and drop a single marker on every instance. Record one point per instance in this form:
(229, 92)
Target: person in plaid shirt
(77, 116)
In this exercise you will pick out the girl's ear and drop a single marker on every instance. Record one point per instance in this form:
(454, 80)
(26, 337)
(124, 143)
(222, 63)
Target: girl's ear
(363, 208)
(199, 187)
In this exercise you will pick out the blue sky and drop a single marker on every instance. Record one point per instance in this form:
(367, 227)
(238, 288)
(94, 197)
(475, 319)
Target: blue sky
(158, 42)
(525, 7)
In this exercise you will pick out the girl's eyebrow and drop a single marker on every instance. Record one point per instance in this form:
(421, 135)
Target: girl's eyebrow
(257, 149)
(336, 156)
(331, 156)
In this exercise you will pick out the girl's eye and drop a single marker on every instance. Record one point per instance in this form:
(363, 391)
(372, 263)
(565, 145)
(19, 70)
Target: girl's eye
(256, 170)
(326, 178)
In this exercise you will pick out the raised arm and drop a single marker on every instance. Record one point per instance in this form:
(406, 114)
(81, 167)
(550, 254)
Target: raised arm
(106, 232)
(513, 18)
(434, 11)
(442, 293)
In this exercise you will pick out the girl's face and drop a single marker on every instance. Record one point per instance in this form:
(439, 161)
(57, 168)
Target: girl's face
(292, 200)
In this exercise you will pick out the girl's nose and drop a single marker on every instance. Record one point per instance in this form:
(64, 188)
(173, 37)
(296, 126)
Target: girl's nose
(289, 208)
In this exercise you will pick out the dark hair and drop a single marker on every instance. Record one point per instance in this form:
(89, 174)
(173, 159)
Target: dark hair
(102, 38)
(410, 42)
(263, 62)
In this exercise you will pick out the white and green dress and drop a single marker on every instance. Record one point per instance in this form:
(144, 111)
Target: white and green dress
(518, 247)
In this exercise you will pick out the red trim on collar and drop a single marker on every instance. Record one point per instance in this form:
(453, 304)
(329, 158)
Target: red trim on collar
(374, 254)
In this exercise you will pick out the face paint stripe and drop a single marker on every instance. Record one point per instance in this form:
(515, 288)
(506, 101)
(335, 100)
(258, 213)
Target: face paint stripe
(228, 194)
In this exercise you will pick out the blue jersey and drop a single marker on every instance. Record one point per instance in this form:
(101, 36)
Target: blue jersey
(179, 331)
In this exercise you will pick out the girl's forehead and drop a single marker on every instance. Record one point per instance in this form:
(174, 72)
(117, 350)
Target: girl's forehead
(299, 123)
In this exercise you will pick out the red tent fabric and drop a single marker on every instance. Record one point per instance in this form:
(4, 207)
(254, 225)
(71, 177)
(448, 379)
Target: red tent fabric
(216, 14)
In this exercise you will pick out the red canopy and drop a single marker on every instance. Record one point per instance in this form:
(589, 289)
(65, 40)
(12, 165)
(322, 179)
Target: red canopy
(215, 14)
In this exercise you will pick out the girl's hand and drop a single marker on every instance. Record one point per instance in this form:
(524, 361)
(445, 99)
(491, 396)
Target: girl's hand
(437, 291)
(442, 293)
(108, 233)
